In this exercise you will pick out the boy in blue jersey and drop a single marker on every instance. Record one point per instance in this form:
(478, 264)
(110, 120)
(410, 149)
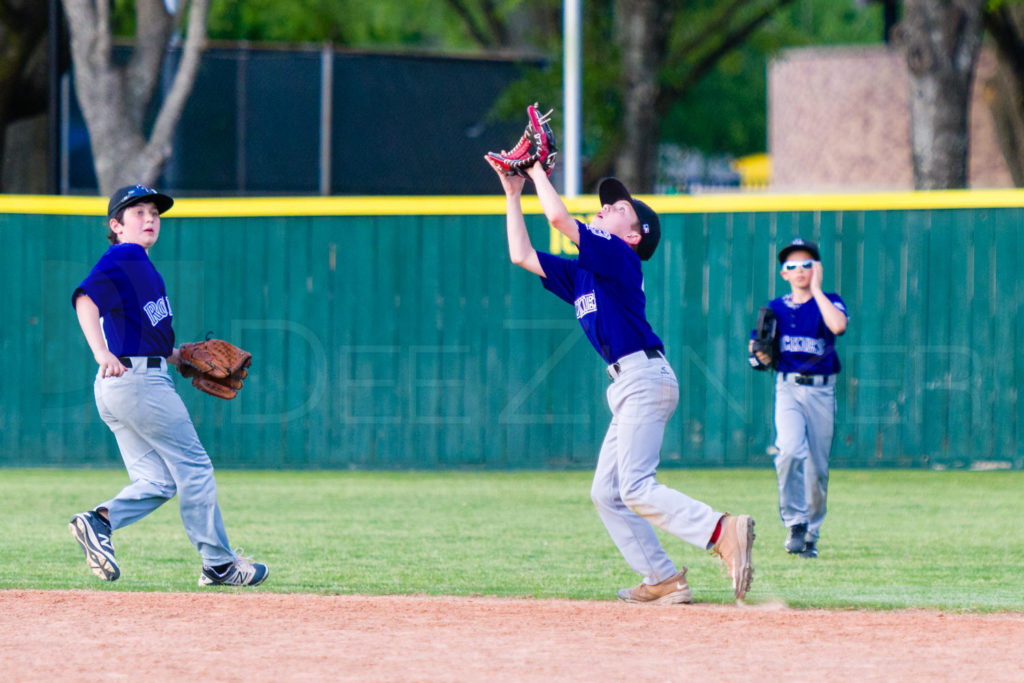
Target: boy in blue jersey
(605, 285)
(809, 320)
(125, 315)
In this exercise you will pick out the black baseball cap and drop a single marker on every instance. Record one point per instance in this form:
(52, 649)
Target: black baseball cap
(611, 190)
(799, 244)
(133, 194)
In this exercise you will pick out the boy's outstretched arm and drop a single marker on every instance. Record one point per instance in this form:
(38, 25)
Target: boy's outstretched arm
(554, 207)
(520, 249)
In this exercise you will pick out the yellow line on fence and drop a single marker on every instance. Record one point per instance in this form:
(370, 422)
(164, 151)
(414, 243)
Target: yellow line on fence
(223, 207)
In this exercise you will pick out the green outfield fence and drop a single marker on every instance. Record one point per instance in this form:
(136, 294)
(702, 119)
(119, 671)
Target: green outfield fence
(394, 333)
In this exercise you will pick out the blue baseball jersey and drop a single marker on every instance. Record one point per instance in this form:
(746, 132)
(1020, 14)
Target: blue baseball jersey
(135, 313)
(606, 286)
(806, 345)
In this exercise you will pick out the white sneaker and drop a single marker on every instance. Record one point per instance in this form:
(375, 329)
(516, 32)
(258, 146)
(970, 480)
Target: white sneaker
(242, 572)
(93, 533)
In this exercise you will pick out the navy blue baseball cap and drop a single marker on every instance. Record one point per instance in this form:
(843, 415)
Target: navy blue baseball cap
(133, 194)
(611, 190)
(799, 244)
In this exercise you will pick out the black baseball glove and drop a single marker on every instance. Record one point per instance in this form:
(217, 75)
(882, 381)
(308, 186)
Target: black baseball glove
(766, 341)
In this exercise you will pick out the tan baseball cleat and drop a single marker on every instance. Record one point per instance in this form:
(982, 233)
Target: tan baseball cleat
(734, 546)
(672, 591)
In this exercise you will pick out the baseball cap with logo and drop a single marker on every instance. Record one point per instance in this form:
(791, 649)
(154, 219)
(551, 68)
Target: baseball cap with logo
(799, 244)
(133, 194)
(611, 190)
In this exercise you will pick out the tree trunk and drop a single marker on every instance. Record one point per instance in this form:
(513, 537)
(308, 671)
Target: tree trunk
(1004, 92)
(1006, 101)
(942, 39)
(114, 99)
(642, 27)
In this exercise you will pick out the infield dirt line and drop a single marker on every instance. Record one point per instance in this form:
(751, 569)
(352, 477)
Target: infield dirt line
(229, 636)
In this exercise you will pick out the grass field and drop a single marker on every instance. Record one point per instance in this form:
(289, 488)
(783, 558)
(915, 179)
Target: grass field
(892, 539)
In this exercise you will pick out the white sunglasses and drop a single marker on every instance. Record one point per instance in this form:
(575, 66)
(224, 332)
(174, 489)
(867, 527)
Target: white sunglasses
(793, 265)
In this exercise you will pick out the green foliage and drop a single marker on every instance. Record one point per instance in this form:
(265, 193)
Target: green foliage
(996, 5)
(726, 112)
(723, 113)
(357, 23)
(892, 539)
(602, 73)
(122, 17)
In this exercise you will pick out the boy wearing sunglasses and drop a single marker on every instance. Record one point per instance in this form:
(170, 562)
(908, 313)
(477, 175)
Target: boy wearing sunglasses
(809, 320)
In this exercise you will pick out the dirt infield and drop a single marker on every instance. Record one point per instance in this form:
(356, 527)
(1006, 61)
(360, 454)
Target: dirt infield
(84, 635)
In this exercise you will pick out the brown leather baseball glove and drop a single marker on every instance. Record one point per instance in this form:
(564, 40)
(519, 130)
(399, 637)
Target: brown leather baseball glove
(215, 366)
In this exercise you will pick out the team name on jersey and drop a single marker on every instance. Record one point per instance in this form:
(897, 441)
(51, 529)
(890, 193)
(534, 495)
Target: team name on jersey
(599, 232)
(157, 310)
(586, 304)
(802, 345)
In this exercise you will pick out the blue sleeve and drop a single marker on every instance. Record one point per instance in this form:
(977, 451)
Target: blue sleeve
(604, 254)
(838, 302)
(99, 285)
(559, 276)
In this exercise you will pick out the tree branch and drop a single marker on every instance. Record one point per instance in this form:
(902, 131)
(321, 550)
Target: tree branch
(1009, 41)
(497, 28)
(712, 28)
(91, 63)
(159, 146)
(101, 32)
(475, 30)
(675, 89)
(82, 19)
(153, 28)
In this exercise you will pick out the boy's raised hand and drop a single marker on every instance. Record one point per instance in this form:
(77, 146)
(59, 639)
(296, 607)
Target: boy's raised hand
(512, 183)
(817, 273)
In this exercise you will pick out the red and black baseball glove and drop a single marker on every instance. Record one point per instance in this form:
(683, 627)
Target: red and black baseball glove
(537, 143)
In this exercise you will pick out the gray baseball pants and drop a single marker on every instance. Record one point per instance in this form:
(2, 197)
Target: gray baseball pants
(163, 455)
(643, 395)
(804, 425)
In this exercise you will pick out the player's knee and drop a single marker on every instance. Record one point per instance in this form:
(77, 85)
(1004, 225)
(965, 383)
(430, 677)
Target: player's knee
(603, 497)
(635, 494)
(198, 485)
(166, 490)
(791, 451)
(157, 489)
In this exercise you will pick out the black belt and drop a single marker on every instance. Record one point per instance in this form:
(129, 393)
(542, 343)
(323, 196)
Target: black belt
(151, 362)
(806, 380)
(650, 353)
